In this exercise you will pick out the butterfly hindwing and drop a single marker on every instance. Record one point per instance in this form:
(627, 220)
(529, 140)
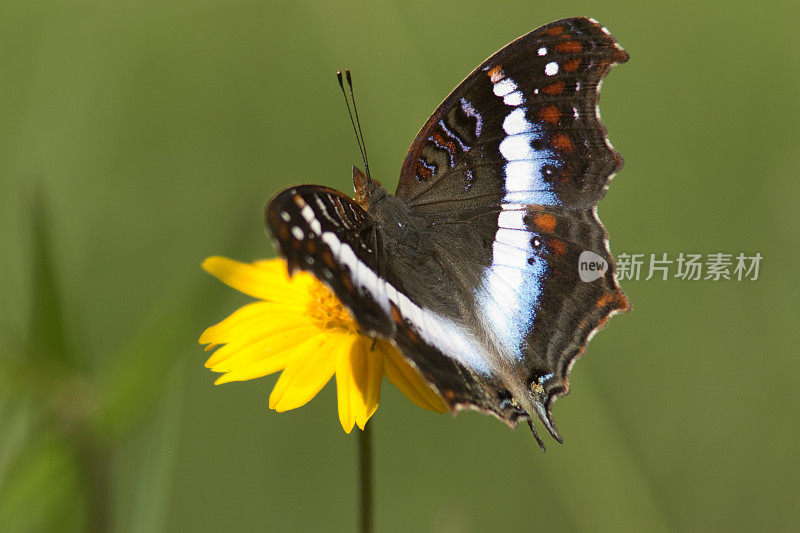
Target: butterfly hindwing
(558, 246)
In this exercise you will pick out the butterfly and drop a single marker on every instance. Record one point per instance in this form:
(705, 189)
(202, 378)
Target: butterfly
(472, 267)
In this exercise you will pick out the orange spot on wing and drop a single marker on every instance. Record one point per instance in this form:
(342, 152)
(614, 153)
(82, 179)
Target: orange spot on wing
(545, 222)
(555, 30)
(396, 315)
(569, 46)
(550, 114)
(447, 144)
(554, 89)
(311, 246)
(562, 142)
(572, 65)
(558, 247)
(283, 232)
(348, 284)
(327, 258)
(496, 74)
(423, 172)
(604, 300)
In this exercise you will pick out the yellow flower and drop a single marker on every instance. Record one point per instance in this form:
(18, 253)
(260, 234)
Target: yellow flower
(301, 328)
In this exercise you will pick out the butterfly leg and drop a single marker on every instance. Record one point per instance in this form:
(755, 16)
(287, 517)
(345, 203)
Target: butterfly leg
(536, 435)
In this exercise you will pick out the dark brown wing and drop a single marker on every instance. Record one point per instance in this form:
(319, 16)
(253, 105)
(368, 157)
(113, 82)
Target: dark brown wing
(516, 159)
(523, 127)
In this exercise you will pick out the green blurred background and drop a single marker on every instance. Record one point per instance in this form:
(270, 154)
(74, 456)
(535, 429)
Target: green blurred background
(137, 138)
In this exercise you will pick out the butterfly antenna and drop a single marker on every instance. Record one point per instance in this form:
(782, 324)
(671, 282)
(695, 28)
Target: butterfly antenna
(354, 121)
(358, 122)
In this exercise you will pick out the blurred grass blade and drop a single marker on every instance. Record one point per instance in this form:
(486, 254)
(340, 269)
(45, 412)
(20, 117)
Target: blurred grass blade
(158, 458)
(41, 489)
(47, 341)
(16, 422)
(130, 388)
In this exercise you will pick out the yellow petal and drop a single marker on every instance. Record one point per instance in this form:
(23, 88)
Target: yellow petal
(235, 354)
(344, 385)
(263, 357)
(308, 371)
(372, 388)
(219, 359)
(359, 371)
(408, 380)
(279, 269)
(265, 279)
(251, 320)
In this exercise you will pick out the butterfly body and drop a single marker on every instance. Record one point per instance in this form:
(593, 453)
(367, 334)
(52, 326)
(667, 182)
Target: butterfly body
(404, 236)
(471, 268)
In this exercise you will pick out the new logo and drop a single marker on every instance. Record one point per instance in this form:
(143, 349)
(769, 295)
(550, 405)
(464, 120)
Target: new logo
(591, 266)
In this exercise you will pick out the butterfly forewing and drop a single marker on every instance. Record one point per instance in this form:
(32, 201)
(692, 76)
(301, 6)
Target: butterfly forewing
(523, 127)
(325, 232)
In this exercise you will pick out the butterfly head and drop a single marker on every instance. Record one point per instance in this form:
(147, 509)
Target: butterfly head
(366, 188)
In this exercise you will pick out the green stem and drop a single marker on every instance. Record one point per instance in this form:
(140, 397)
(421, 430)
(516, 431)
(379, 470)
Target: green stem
(365, 479)
(97, 476)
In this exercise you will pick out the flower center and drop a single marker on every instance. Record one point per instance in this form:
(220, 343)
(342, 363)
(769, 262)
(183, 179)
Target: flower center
(326, 309)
